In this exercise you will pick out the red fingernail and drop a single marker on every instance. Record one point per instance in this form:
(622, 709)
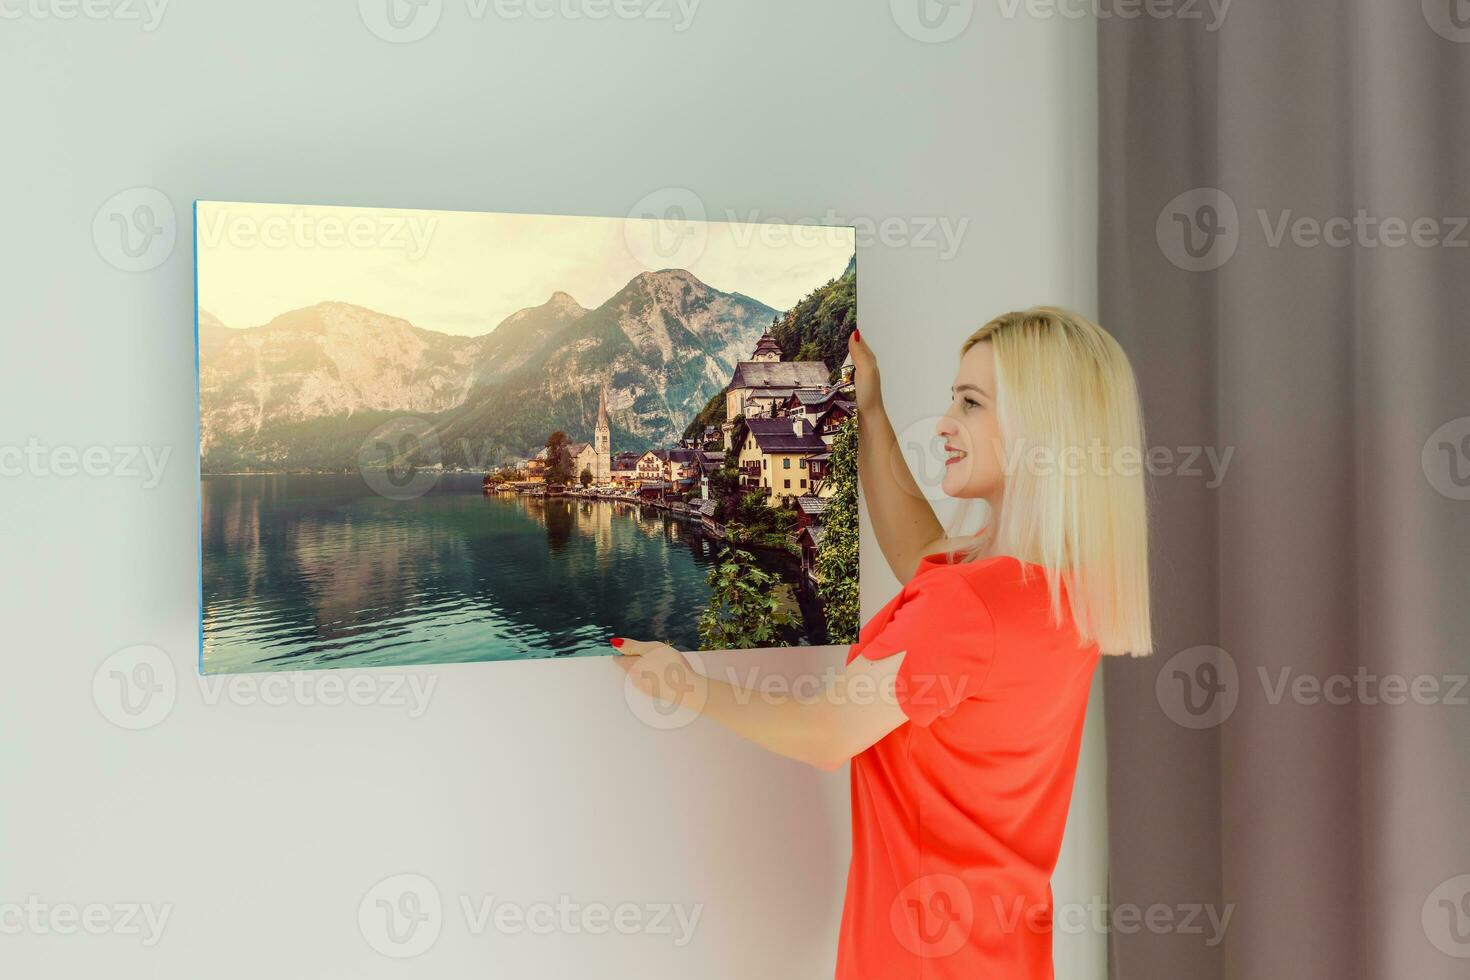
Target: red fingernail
(857, 335)
(617, 642)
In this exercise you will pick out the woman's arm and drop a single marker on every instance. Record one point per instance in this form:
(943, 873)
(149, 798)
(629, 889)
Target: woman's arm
(903, 521)
(840, 719)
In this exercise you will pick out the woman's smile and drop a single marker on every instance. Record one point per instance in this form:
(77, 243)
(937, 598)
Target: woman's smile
(955, 454)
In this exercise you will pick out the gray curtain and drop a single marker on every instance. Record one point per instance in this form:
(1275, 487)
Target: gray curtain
(1332, 359)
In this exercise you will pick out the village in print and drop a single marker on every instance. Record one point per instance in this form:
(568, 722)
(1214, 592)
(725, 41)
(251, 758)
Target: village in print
(394, 472)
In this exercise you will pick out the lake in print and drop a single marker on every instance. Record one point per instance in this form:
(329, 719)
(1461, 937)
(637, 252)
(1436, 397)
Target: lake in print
(320, 571)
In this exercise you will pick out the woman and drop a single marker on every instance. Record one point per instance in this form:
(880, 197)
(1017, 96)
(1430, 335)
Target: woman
(962, 773)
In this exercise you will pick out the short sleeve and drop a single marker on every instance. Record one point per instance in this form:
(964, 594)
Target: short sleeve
(947, 634)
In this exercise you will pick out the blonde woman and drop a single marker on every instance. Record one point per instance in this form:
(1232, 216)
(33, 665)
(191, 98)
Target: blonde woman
(962, 771)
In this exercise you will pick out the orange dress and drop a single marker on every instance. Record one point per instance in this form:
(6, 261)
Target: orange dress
(957, 815)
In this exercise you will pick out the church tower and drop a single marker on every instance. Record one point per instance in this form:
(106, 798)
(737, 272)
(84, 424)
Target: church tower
(766, 349)
(602, 440)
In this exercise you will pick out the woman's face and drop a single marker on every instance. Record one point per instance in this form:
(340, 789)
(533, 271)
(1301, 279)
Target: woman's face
(971, 430)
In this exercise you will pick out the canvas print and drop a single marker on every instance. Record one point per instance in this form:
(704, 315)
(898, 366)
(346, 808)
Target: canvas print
(432, 436)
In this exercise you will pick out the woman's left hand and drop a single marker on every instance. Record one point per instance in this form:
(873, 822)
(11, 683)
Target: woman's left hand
(661, 672)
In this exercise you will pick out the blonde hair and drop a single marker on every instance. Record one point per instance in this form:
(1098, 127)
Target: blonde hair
(1074, 503)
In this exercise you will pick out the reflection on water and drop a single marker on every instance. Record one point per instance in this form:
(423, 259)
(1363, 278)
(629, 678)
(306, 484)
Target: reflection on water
(319, 571)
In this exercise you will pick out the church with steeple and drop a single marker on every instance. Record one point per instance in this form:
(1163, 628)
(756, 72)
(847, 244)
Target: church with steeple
(602, 441)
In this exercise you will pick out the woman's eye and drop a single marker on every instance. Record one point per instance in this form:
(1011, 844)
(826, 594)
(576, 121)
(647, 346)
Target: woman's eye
(971, 403)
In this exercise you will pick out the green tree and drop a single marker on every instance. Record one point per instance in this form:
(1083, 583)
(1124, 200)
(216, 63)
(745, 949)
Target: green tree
(837, 559)
(745, 609)
(558, 459)
(586, 478)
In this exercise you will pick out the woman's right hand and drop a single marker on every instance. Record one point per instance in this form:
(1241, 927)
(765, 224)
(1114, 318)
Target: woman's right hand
(865, 373)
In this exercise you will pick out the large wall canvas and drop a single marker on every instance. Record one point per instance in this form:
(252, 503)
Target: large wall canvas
(431, 436)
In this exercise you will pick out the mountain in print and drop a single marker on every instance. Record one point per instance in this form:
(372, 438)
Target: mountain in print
(304, 391)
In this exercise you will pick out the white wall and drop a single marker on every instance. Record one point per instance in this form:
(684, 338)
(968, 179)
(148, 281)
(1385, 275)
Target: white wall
(263, 827)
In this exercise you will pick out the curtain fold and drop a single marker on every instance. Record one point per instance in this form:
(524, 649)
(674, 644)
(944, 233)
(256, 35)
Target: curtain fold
(1283, 251)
